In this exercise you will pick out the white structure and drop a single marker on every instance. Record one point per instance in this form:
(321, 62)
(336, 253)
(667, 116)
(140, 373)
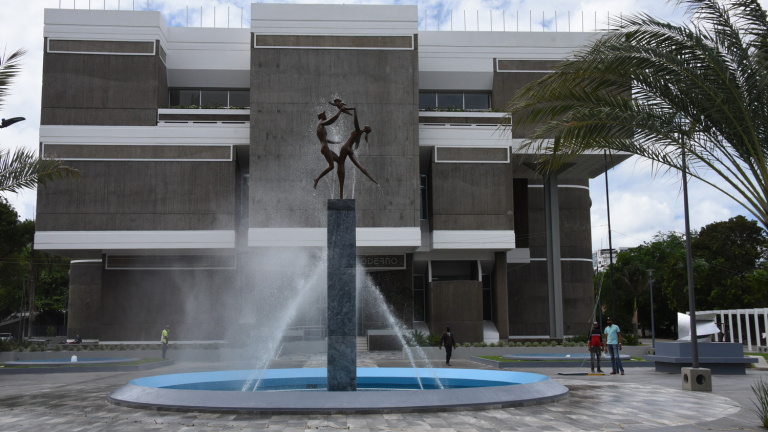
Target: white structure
(750, 325)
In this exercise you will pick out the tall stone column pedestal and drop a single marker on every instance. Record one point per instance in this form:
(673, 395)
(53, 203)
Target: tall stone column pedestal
(342, 344)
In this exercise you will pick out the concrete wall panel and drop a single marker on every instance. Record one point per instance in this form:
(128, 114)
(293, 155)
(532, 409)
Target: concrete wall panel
(289, 88)
(471, 196)
(458, 304)
(140, 196)
(198, 304)
(84, 89)
(85, 297)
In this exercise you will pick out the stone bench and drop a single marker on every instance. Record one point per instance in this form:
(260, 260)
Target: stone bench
(720, 357)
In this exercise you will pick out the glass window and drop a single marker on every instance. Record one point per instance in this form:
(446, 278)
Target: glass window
(183, 97)
(214, 98)
(477, 101)
(450, 101)
(239, 98)
(427, 101)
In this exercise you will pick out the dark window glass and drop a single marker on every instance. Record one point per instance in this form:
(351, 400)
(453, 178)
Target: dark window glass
(450, 101)
(424, 197)
(181, 97)
(477, 101)
(419, 304)
(239, 98)
(214, 98)
(427, 101)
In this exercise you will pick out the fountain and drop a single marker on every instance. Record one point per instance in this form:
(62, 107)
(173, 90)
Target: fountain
(342, 387)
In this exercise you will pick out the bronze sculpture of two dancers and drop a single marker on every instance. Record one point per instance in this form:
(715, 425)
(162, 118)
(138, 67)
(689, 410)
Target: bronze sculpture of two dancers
(347, 151)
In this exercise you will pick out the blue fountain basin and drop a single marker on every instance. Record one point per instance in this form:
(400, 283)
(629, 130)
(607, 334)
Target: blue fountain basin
(310, 379)
(219, 391)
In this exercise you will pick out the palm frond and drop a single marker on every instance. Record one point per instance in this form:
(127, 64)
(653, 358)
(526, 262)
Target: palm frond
(10, 66)
(22, 169)
(698, 87)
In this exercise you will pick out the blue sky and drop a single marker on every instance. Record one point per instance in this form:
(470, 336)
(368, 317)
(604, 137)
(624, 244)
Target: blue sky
(642, 202)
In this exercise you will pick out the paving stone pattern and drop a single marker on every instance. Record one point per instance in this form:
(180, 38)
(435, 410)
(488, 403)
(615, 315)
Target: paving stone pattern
(645, 400)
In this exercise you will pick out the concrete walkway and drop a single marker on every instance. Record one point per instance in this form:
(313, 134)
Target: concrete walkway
(640, 400)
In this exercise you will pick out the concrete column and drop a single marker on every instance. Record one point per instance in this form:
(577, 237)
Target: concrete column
(738, 323)
(85, 299)
(765, 324)
(747, 316)
(757, 328)
(554, 270)
(342, 344)
(500, 290)
(730, 326)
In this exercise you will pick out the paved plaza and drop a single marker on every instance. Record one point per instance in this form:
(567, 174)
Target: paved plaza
(638, 401)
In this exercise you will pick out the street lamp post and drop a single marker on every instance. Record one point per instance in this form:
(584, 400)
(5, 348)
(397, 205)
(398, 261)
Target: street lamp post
(653, 326)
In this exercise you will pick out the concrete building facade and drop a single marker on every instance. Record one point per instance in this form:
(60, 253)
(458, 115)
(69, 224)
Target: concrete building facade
(183, 199)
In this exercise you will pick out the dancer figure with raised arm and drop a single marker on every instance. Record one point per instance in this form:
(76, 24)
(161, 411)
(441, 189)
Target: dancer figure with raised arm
(322, 135)
(348, 152)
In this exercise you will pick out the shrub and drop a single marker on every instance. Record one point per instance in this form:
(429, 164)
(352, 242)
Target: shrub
(582, 344)
(58, 348)
(467, 345)
(518, 344)
(553, 343)
(492, 345)
(416, 338)
(578, 338)
(760, 389)
(527, 344)
(631, 339)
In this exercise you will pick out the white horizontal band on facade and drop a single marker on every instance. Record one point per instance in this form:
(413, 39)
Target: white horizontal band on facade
(205, 135)
(561, 186)
(317, 237)
(589, 260)
(46, 147)
(203, 239)
(83, 261)
(49, 50)
(473, 239)
(324, 19)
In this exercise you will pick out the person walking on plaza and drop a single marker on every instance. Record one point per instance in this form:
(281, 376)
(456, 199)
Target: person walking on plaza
(595, 347)
(449, 342)
(164, 338)
(613, 345)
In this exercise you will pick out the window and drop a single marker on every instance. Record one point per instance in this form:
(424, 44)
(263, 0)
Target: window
(461, 101)
(221, 98)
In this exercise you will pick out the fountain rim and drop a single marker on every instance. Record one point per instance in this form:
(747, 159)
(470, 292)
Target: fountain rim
(536, 389)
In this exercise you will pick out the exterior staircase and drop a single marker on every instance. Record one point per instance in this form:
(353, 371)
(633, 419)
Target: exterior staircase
(362, 344)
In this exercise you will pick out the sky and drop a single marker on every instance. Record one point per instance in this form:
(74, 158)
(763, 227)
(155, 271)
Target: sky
(642, 202)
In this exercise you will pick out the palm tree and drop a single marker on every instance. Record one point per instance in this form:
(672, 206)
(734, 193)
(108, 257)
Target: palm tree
(698, 90)
(22, 168)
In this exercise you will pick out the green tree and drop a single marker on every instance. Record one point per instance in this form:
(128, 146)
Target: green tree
(730, 253)
(15, 239)
(697, 88)
(22, 168)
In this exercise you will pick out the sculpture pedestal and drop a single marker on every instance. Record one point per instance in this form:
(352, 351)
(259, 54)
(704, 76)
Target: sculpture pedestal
(342, 301)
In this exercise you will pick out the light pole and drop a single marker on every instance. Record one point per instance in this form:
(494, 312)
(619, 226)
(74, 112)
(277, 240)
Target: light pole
(653, 326)
(689, 265)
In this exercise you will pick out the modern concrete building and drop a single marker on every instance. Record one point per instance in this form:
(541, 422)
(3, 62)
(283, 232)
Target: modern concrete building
(181, 202)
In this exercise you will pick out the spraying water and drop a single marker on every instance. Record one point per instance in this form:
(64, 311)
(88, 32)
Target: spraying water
(397, 326)
(303, 296)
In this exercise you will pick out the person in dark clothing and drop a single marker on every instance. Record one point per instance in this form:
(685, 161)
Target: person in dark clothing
(595, 346)
(449, 342)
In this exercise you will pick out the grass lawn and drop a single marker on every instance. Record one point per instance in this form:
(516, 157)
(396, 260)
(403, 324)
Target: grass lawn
(502, 359)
